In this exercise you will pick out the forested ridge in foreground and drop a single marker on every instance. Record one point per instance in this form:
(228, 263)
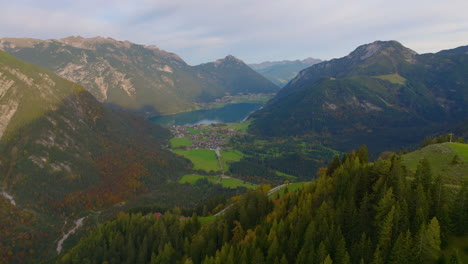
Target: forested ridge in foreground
(354, 212)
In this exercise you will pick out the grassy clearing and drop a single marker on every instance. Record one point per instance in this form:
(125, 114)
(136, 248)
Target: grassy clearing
(225, 182)
(234, 183)
(229, 157)
(206, 219)
(180, 142)
(202, 159)
(293, 187)
(240, 126)
(393, 78)
(285, 175)
(192, 178)
(193, 131)
(441, 157)
(461, 149)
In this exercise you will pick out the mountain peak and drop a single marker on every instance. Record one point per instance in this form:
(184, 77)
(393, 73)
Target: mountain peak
(228, 60)
(391, 47)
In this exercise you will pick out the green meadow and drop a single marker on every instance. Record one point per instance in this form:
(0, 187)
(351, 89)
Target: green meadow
(180, 142)
(446, 159)
(202, 159)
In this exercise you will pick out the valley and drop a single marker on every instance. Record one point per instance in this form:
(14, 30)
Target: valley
(116, 152)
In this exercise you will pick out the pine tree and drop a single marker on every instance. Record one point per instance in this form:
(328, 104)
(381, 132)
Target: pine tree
(385, 233)
(377, 258)
(424, 174)
(432, 244)
(341, 255)
(333, 165)
(328, 260)
(363, 154)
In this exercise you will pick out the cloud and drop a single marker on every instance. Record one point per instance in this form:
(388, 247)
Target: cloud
(254, 30)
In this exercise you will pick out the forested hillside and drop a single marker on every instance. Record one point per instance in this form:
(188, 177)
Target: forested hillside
(382, 94)
(63, 156)
(355, 212)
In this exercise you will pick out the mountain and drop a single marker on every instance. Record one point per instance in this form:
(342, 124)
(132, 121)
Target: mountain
(355, 212)
(136, 77)
(63, 155)
(235, 77)
(281, 72)
(459, 50)
(382, 94)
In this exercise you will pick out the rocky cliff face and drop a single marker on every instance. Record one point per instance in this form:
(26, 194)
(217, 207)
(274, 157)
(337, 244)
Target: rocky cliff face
(135, 77)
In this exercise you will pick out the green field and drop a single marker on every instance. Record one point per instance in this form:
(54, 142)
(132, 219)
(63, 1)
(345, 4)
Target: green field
(234, 183)
(225, 182)
(193, 131)
(202, 159)
(206, 219)
(293, 187)
(393, 78)
(461, 149)
(229, 157)
(285, 175)
(192, 178)
(441, 157)
(180, 142)
(240, 126)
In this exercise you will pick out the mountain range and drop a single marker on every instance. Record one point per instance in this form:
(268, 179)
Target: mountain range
(281, 72)
(382, 94)
(137, 77)
(69, 151)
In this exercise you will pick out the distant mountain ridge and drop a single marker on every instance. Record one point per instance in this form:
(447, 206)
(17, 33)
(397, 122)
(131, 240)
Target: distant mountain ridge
(382, 94)
(268, 64)
(459, 50)
(135, 77)
(281, 72)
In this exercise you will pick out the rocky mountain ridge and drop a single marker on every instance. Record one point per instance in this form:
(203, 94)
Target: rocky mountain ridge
(135, 77)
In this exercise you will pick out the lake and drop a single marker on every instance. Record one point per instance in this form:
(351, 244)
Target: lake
(228, 114)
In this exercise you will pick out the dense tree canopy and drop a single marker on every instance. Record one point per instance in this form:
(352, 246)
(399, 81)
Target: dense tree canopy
(357, 213)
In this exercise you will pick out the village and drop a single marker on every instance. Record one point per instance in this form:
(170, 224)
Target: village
(213, 136)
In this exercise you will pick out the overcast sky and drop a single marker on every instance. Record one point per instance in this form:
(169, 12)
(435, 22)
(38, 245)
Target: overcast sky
(252, 30)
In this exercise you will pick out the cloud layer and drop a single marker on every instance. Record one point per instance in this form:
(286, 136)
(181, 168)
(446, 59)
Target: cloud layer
(253, 30)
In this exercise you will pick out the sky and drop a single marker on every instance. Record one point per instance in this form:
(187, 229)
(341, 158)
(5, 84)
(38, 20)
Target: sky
(253, 30)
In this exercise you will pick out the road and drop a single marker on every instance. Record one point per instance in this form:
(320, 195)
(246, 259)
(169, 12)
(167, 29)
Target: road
(78, 224)
(8, 197)
(270, 192)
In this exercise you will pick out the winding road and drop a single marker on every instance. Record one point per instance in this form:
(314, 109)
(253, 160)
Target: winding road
(78, 224)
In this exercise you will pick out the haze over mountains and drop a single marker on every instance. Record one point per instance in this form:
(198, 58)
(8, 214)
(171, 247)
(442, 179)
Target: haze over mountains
(382, 94)
(281, 72)
(138, 77)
